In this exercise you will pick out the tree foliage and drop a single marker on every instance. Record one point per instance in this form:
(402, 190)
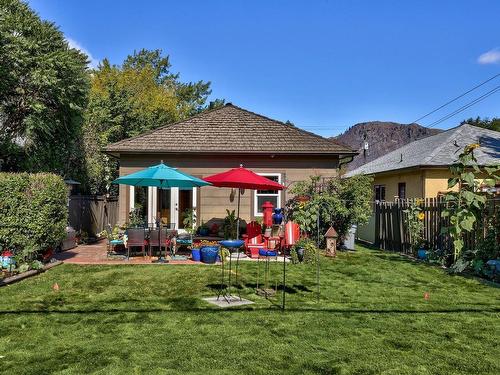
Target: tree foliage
(126, 100)
(340, 202)
(43, 91)
(486, 123)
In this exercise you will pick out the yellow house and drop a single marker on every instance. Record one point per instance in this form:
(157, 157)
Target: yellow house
(420, 169)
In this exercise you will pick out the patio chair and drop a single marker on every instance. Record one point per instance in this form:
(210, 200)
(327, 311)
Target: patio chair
(166, 240)
(112, 244)
(136, 237)
(254, 241)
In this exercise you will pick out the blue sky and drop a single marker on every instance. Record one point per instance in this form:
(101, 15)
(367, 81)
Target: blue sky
(324, 65)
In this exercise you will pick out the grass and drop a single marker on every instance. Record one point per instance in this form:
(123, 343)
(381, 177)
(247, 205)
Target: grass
(372, 318)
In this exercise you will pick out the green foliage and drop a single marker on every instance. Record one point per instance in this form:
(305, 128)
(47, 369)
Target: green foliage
(43, 91)
(486, 123)
(229, 225)
(135, 218)
(310, 251)
(414, 221)
(189, 219)
(341, 202)
(464, 206)
(126, 100)
(33, 213)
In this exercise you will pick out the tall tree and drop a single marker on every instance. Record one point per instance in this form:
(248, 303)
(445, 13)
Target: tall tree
(492, 124)
(43, 92)
(125, 100)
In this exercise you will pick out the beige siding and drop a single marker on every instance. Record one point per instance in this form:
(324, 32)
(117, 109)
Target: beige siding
(214, 201)
(413, 179)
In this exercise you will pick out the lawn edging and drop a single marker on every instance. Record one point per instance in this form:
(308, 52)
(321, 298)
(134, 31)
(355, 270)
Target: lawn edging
(24, 275)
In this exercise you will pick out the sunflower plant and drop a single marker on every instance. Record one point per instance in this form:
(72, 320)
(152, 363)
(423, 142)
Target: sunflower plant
(465, 203)
(415, 223)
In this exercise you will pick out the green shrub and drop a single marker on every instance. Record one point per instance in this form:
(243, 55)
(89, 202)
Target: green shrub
(33, 213)
(310, 251)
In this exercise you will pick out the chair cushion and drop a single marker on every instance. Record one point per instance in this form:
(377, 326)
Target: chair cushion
(267, 253)
(116, 242)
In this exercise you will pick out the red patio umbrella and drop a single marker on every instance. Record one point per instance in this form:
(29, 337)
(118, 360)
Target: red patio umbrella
(242, 178)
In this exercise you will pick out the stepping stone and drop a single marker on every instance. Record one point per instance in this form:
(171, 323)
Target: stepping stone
(233, 301)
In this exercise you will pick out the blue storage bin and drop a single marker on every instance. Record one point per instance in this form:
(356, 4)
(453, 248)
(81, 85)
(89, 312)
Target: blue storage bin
(209, 254)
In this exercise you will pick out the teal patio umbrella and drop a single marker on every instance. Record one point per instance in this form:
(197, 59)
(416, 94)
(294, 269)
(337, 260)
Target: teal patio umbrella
(163, 177)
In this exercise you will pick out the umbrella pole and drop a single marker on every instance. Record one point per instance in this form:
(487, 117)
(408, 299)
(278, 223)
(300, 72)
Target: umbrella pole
(159, 225)
(238, 217)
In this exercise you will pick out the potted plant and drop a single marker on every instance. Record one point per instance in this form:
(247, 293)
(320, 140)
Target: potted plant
(209, 251)
(229, 226)
(196, 251)
(204, 230)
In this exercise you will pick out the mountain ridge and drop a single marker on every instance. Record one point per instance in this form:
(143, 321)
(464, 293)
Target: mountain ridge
(381, 137)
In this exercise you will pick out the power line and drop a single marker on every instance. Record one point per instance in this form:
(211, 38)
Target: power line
(458, 97)
(464, 107)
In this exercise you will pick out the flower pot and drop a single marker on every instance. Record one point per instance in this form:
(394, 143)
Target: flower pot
(209, 254)
(196, 255)
(300, 254)
(277, 216)
(204, 232)
(422, 254)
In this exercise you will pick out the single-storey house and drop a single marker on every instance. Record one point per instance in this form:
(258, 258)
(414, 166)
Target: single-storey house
(420, 169)
(212, 142)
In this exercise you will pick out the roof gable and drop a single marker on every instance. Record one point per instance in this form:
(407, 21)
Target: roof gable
(229, 129)
(438, 150)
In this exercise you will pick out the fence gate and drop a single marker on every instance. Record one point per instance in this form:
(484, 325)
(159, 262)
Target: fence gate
(92, 213)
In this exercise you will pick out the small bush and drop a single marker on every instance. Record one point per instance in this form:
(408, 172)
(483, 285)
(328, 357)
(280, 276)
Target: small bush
(310, 249)
(33, 213)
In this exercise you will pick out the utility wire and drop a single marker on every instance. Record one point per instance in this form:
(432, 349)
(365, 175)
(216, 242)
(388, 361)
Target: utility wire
(464, 107)
(458, 97)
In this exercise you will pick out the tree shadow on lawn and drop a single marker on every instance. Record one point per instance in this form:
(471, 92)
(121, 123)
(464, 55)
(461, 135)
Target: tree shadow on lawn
(215, 310)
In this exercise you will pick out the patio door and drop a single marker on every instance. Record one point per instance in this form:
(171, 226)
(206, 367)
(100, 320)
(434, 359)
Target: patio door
(171, 203)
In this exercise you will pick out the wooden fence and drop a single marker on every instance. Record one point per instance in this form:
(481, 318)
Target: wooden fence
(391, 231)
(92, 213)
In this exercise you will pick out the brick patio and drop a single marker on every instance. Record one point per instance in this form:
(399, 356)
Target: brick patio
(96, 254)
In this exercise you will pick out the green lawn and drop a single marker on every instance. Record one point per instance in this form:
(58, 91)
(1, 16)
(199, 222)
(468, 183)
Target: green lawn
(372, 318)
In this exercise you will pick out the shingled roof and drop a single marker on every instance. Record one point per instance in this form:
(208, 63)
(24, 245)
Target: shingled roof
(229, 129)
(438, 150)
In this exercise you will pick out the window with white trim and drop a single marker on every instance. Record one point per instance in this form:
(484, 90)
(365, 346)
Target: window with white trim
(261, 196)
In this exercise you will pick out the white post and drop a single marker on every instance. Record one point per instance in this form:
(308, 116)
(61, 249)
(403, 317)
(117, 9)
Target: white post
(195, 221)
(131, 199)
(174, 207)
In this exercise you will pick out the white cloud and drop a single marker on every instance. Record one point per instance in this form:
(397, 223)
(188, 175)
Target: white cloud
(93, 62)
(490, 57)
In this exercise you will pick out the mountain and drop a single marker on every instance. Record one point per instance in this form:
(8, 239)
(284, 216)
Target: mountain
(382, 137)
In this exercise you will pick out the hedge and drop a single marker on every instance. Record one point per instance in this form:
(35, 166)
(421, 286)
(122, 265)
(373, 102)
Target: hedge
(33, 213)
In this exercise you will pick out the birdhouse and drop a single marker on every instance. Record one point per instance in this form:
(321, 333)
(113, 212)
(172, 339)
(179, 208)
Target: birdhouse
(331, 242)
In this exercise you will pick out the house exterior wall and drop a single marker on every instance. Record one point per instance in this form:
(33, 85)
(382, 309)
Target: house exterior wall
(436, 181)
(413, 179)
(420, 183)
(212, 201)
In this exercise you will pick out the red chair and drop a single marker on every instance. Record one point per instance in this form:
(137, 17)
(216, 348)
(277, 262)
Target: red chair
(254, 241)
(292, 234)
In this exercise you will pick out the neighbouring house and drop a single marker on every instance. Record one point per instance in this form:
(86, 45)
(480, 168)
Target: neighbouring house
(420, 169)
(212, 142)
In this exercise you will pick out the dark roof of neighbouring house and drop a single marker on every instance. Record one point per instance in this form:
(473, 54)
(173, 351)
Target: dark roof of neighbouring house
(438, 150)
(229, 129)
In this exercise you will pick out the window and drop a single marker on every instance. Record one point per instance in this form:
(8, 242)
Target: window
(379, 192)
(402, 190)
(273, 196)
